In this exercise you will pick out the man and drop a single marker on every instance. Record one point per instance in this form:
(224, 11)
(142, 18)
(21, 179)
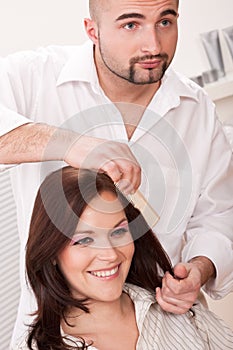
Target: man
(123, 90)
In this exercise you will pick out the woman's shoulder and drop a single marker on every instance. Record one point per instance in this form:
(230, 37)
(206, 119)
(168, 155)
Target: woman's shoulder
(198, 328)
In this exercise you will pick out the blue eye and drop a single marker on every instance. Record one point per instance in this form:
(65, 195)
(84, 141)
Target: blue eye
(130, 26)
(84, 241)
(119, 232)
(165, 23)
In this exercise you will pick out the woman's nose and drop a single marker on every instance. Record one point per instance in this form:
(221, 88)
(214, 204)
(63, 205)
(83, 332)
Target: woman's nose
(105, 251)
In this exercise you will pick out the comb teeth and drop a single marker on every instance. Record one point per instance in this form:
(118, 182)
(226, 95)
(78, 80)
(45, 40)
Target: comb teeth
(140, 202)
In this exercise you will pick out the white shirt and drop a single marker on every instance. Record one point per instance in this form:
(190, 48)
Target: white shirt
(185, 157)
(159, 330)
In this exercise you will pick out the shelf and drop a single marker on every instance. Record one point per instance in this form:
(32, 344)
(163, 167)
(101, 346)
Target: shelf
(220, 89)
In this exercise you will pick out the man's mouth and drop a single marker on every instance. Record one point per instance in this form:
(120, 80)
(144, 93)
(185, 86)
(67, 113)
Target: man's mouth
(149, 64)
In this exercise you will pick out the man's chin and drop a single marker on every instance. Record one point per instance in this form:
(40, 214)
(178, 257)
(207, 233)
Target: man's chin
(144, 82)
(151, 77)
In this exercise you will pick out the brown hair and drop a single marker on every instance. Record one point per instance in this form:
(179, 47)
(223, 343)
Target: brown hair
(60, 201)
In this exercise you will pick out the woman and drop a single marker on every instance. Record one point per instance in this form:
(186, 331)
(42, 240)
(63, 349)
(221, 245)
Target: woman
(86, 240)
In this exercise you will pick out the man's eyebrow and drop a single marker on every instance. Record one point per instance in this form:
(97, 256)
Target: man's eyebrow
(140, 16)
(130, 15)
(169, 12)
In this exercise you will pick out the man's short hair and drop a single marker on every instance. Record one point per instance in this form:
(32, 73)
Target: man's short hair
(96, 7)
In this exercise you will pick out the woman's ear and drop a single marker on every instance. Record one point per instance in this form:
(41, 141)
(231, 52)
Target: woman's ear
(91, 30)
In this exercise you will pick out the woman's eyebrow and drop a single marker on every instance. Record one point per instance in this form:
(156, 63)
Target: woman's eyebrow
(120, 222)
(90, 232)
(85, 232)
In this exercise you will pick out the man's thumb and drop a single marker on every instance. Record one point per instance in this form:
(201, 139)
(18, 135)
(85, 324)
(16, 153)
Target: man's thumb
(181, 271)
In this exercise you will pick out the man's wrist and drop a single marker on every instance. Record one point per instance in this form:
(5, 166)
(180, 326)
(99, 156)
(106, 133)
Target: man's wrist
(206, 268)
(59, 143)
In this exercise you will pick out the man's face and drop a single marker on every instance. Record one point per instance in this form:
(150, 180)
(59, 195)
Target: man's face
(137, 39)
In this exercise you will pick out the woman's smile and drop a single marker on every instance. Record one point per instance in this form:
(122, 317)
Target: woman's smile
(106, 274)
(100, 251)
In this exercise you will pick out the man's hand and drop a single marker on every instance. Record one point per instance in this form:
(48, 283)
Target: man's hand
(35, 142)
(178, 293)
(112, 158)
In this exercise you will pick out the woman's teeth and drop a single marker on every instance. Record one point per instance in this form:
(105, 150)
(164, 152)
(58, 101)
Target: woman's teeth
(105, 273)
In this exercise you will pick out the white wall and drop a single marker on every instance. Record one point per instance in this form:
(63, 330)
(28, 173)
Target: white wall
(199, 16)
(28, 24)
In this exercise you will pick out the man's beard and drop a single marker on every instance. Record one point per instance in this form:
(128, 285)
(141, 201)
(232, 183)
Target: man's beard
(133, 75)
(155, 75)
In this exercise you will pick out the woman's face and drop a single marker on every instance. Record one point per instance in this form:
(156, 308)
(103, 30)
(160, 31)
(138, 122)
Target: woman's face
(97, 260)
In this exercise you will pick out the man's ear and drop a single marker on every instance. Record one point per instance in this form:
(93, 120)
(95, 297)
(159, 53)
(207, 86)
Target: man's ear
(91, 30)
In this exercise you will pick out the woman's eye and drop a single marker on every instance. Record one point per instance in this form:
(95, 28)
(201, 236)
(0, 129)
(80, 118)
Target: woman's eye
(119, 232)
(83, 241)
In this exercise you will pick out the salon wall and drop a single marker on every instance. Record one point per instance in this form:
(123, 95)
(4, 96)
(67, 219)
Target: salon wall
(27, 24)
(198, 16)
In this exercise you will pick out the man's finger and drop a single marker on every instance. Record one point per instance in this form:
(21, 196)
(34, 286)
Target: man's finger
(181, 271)
(170, 307)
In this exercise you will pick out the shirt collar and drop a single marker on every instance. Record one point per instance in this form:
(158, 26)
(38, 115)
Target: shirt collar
(138, 294)
(142, 299)
(178, 85)
(173, 89)
(80, 67)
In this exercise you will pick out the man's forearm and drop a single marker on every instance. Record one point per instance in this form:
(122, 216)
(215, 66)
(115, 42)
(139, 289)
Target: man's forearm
(206, 268)
(34, 143)
(40, 142)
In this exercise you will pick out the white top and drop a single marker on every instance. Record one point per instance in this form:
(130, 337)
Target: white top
(184, 154)
(159, 330)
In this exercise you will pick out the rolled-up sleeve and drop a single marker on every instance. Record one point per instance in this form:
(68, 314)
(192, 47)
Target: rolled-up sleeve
(17, 90)
(17, 93)
(10, 120)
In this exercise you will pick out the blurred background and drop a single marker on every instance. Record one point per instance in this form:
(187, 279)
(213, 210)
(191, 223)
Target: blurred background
(29, 24)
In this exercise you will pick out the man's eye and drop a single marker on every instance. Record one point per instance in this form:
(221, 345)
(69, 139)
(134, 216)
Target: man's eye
(83, 241)
(165, 23)
(130, 26)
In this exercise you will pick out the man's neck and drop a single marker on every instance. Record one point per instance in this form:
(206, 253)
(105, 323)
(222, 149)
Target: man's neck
(118, 89)
(130, 99)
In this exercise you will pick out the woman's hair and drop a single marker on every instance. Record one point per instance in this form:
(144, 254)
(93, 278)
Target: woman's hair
(60, 201)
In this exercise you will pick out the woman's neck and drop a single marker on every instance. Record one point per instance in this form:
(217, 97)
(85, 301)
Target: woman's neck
(100, 312)
(107, 322)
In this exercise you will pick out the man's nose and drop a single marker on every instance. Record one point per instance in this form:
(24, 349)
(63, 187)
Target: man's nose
(151, 42)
